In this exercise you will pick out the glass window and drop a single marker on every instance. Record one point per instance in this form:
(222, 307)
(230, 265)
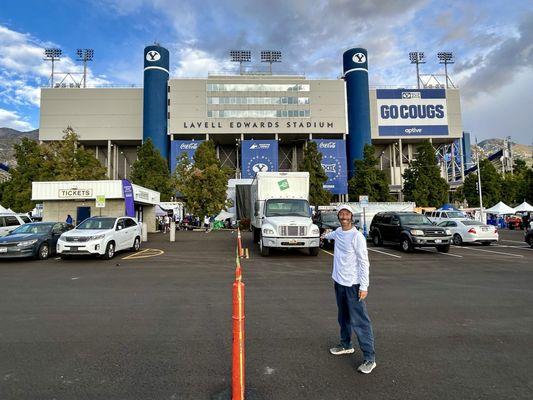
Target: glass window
(386, 219)
(2, 221)
(283, 207)
(130, 223)
(25, 219)
(12, 221)
(256, 87)
(452, 224)
(444, 215)
(33, 228)
(455, 214)
(472, 223)
(415, 219)
(121, 224)
(97, 223)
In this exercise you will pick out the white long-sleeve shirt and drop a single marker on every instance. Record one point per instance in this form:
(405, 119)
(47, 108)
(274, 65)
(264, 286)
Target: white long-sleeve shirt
(350, 260)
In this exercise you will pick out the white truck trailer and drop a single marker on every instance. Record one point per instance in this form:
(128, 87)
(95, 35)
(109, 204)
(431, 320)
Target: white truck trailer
(281, 213)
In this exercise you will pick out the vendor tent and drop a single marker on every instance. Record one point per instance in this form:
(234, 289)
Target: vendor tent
(524, 207)
(3, 210)
(500, 208)
(224, 215)
(447, 207)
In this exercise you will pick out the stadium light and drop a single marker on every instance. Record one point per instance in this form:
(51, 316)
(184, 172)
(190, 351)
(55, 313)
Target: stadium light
(52, 55)
(417, 57)
(270, 56)
(240, 56)
(85, 55)
(446, 57)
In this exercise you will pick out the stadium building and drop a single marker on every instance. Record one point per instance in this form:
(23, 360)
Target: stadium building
(262, 121)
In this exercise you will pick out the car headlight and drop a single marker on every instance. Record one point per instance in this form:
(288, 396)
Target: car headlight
(417, 232)
(315, 231)
(27, 243)
(268, 231)
(98, 237)
(448, 232)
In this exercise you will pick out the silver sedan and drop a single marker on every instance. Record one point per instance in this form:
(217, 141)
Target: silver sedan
(471, 231)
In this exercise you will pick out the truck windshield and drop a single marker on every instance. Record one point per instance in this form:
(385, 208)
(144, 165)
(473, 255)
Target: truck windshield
(286, 207)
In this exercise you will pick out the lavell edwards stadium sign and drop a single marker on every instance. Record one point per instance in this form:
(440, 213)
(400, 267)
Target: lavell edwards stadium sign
(255, 125)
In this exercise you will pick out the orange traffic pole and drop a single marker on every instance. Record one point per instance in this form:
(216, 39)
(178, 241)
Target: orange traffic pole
(237, 373)
(239, 243)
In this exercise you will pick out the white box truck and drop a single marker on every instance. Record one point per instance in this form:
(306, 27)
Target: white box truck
(281, 216)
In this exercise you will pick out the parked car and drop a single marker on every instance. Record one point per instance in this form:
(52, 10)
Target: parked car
(410, 230)
(528, 237)
(102, 236)
(471, 231)
(326, 221)
(438, 216)
(9, 222)
(35, 239)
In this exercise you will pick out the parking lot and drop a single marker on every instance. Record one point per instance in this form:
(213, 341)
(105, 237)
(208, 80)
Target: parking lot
(157, 324)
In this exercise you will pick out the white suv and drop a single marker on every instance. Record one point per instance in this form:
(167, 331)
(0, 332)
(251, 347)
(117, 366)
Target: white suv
(9, 222)
(439, 216)
(101, 236)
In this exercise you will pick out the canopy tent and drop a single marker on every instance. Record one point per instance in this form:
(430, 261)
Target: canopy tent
(159, 212)
(500, 208)
(524, 207)
(447, 207)
(10, 211)
(3, 210)
(223, 215)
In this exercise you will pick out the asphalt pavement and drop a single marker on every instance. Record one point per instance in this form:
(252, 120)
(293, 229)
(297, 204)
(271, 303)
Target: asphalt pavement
(157, 324)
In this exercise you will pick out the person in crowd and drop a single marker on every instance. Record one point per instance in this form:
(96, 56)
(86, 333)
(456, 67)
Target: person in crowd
(69, 219)
(351, 280)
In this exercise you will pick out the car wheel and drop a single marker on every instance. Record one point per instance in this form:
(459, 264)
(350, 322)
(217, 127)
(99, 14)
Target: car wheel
(136, 244)
(457, 240)
(265, 251)
(43, 252)
(444, 249)
(376, 239)
(406, 245)
(486, 243)
(313, 251)
(109, 251)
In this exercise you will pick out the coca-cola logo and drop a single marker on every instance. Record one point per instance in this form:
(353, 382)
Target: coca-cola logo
(188, 146)
(327, 145)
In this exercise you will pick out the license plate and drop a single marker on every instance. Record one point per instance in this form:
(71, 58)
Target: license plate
(484, 229)
(293, 241)
(74, 248)
(3, 249)
(437, 240)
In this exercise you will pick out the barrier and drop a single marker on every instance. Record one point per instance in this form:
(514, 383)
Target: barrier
(237, 371)
(145, 231)
(172, 231)
(240, 250)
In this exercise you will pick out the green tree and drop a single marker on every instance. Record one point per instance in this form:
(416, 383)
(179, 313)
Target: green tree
(422, 181)
(151, 171)
(491, 183)
(312, 163)
(203, 183)
(368, 179)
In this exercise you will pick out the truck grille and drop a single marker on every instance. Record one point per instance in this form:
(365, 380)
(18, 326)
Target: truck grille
(434, 232)
(292, 230)
(76, 238)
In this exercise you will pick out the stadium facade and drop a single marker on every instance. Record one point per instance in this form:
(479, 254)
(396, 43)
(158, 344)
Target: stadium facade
(263, 121)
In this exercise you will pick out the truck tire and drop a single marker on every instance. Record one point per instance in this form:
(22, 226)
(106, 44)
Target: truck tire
(313, 251)
(443, 249)
(265, 251)
(406, 244)
(376, 238)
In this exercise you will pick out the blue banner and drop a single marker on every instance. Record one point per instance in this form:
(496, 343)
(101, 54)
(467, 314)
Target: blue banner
(334, 164)
(127, 192)
(258, 155)
(178, 147)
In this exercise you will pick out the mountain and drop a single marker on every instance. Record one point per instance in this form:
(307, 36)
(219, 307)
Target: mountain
(491, 146)
(8, 138)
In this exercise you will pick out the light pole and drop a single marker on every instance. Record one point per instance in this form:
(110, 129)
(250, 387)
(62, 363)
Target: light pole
(240, 56)
(479, 185)
(270, 56)
(417, 57)
(446, 57)
(52, 55)
(85, 55)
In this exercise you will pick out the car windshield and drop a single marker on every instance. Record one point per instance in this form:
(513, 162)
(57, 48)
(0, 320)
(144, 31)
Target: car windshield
(455, 214)
(472, 223)
(415, 219)
(287, 207)
(97, 223)
(33, 228)
(329, 218)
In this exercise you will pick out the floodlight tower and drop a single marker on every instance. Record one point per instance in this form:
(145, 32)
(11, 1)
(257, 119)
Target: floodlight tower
(417, 57)
(446, 57)
(53, 55)
(85, 55)
(270, 56)
(240, 56)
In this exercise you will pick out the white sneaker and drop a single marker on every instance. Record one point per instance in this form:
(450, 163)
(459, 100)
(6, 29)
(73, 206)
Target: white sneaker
(340, 349)
(367, 367)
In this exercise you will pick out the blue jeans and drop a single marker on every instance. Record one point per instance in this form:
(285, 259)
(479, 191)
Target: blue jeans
(353, 315)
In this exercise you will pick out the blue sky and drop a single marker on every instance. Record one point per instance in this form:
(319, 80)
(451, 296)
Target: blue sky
(492, 41)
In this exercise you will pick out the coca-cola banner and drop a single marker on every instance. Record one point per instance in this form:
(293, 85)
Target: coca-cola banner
(178, 147)
(334, 164)
(258, 155)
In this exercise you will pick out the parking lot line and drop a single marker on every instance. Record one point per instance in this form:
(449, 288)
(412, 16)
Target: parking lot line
(144, 254)
(512, 241)
(331, 254)
(515, 247)
(438, 252)
(495, 252)
(382, 252)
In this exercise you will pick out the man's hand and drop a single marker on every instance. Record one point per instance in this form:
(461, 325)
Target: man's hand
(363, 294)
(326, 231)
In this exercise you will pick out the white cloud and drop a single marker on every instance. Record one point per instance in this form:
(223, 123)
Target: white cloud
(10, 119)
(197, 63)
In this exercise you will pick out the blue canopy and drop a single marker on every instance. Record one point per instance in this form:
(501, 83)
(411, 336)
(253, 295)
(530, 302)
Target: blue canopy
(446, 207)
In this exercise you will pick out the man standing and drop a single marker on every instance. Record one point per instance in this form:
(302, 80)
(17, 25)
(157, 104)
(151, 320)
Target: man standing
(351, 280)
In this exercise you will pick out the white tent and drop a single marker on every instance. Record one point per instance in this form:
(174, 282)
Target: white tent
(500, 208)
(2, 209)
(524, 207)
(223, 215)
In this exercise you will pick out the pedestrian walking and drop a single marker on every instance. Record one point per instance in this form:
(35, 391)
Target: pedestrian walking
(351, 281)
(69, 219)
